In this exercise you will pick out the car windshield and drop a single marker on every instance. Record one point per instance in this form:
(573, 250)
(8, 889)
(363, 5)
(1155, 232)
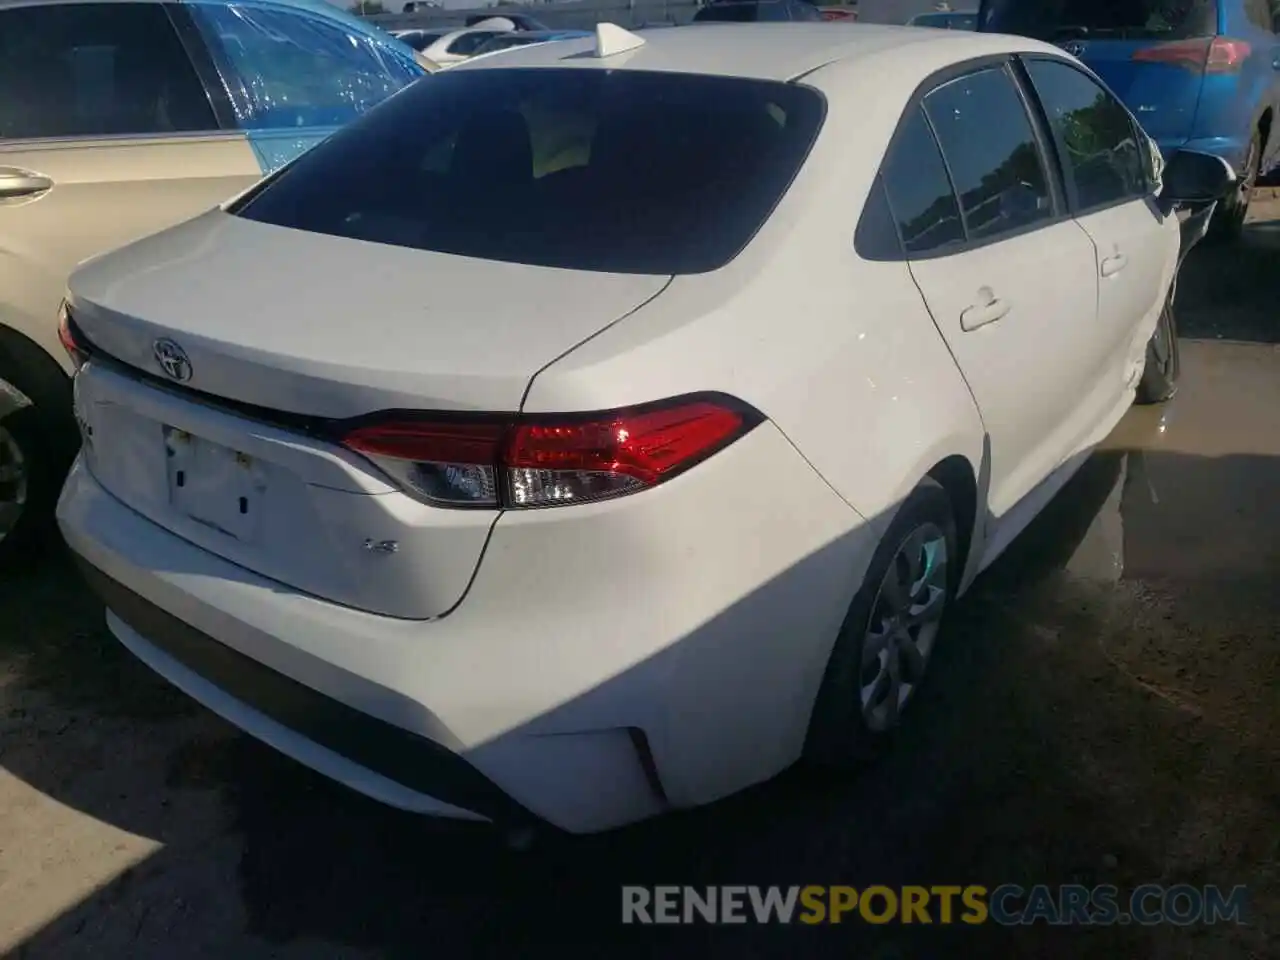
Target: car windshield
(1060, 20)
(506, 41)
(620, 171)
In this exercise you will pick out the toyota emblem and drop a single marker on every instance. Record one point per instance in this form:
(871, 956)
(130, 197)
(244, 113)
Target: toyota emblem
(172, 359)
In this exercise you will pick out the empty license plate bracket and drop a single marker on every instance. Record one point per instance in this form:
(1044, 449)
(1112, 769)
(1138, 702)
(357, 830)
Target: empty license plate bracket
(213, 485)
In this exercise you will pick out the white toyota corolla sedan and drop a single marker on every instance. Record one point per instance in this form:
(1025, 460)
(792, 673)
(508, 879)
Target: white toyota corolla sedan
(598, 429)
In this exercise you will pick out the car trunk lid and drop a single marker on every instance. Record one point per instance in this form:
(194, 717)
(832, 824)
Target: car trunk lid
(333, 327)
(283, 336)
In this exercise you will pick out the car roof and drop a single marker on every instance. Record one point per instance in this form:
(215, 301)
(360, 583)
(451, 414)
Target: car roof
(769, 51)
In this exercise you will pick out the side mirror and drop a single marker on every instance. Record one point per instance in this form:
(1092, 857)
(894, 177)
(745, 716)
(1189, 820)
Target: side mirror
(1191, 178)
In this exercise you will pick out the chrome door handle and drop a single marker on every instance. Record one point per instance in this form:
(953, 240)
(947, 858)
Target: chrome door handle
(1114, 264)
(21, 183)
(980, 314)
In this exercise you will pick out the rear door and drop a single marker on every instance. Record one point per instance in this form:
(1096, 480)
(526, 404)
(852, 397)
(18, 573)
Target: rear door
(293, 77)
(1140, 50)
(1107, 187)
(106, 134)
(1010, 279)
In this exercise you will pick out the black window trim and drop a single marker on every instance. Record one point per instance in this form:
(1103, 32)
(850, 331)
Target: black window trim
(1053, 170)
(201, 59)
(219, 132)
(1059, 148)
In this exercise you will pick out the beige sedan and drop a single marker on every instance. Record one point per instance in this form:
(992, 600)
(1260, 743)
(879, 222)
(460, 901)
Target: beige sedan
(119, 118)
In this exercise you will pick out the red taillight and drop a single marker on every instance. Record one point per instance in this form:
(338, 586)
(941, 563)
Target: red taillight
(543, 460)
(445, 462)
(1207, 55)
(67, 336)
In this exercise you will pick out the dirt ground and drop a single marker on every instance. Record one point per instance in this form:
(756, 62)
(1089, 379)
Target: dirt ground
(1105, 710)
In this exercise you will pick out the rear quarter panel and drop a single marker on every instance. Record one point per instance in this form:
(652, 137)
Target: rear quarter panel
(838, 352)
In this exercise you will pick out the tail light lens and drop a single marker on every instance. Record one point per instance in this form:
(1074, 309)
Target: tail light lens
(544, 460)
(1203, 55)
(76, 349)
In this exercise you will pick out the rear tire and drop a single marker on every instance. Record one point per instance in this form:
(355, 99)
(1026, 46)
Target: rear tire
(1164, 362)
(45, 439)
(850, 724)
(1227, 225)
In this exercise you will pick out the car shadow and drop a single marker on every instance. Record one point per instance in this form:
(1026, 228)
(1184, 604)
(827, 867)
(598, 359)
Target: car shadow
(1059, 741)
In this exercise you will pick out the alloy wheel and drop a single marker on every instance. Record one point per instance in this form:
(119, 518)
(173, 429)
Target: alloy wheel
(13, 483)
(903, 626)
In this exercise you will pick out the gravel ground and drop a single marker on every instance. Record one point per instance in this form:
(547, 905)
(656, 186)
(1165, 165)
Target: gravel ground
(1105, 710)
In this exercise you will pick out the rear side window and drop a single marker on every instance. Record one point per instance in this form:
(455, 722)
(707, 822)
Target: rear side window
(287, 69)
(1058, 20)
(915, 178)
(1101, 149)
(991, 151)
(469, 43)
(620, 171)
(88, 70)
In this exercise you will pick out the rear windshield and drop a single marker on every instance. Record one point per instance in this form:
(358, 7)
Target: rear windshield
(619, 171)
(1059, 20)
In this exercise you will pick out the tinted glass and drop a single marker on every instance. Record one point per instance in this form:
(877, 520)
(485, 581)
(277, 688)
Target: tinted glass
(920, 193)
(96, 70)
(742, 13)
(1104, 19)
(987, 140)
(295, 70)
(622, 171)
(1102, 151)
(469, 43)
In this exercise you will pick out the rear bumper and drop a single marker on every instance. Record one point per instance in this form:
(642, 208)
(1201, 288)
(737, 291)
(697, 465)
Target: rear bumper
(609, 661)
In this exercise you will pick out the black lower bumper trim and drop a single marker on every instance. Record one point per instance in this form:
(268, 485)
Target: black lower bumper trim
(395, 753)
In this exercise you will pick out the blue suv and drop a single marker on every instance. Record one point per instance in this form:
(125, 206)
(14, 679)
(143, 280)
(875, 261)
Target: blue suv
(1198, 74)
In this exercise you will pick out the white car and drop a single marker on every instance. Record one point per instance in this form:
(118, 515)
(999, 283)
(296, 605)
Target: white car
(458, 45)
(579, 441)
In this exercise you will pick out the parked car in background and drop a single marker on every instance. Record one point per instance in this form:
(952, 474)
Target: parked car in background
(946, 20)
(480, 473)
(419, 40)
(458, 45)
(522, 38)
(1199, 74)
(838, 13)
(518, 21)
(757, 11)
(120, 118)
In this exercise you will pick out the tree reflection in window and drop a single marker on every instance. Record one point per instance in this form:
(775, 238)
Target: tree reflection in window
(990, 148)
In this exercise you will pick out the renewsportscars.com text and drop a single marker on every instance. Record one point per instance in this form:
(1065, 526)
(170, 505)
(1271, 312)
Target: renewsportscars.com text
(1007, 905)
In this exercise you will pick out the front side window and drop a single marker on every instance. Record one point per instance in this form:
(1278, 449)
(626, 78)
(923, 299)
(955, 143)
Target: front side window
(287, 69)
(1102, 149)
(89, 70)
(619, 171)
(991, 151)
(920, 195)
